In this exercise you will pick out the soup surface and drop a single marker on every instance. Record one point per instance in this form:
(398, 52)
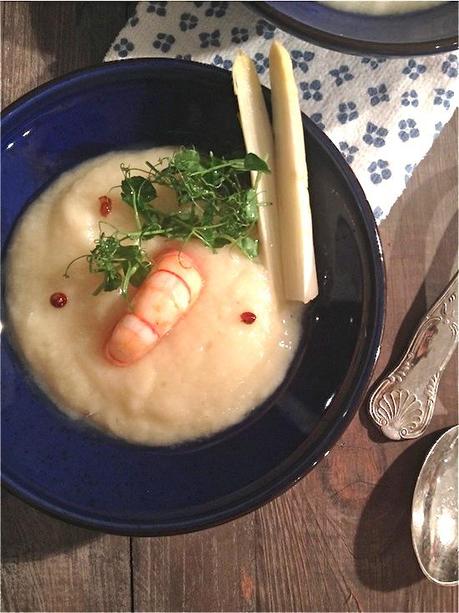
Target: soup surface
(381, 7)
(207, 374)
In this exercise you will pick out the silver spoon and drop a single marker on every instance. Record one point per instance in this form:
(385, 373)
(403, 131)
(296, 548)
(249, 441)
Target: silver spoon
(402, 405)
(434, 521)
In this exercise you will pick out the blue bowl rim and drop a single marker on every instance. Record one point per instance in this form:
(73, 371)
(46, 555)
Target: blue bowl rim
(373, 344)
(353, 46)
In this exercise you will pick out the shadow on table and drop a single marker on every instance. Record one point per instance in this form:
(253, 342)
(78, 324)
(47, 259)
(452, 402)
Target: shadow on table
(383, 551)
(29, 534)
(83, 36)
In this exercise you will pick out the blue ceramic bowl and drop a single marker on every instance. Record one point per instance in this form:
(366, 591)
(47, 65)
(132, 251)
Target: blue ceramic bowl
(434, 30)
(82, 475)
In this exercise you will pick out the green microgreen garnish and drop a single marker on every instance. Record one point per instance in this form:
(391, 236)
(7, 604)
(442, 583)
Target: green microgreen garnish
(120, 264)
(215, 204)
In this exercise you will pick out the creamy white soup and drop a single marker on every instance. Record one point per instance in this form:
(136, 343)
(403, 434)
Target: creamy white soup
(381, 7)
(206, 374)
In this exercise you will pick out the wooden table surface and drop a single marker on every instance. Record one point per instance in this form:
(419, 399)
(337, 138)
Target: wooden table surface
(337, 541)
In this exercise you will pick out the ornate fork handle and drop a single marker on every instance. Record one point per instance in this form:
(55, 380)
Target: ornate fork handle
(403, 402)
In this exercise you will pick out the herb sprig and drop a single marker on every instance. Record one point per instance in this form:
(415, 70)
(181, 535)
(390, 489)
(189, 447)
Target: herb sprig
(121, 264)
(216, 205)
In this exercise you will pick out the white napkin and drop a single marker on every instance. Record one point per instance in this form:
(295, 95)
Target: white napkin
(383, 115)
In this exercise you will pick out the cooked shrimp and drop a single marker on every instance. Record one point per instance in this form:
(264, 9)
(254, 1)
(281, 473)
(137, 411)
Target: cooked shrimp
(163, 298)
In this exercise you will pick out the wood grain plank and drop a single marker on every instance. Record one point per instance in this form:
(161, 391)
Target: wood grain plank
(213, 570)
(47, 564)
(340, 540)
(44, 40)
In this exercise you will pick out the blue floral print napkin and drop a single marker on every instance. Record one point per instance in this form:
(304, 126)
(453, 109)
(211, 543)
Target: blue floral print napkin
(383, 115)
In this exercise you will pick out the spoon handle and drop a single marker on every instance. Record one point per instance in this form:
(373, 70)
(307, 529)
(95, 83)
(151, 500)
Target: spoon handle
(403, 402)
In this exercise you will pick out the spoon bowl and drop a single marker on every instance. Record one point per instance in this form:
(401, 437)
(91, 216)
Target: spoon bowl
(434, 524)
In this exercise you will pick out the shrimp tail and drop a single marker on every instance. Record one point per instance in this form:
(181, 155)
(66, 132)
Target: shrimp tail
(168, 292)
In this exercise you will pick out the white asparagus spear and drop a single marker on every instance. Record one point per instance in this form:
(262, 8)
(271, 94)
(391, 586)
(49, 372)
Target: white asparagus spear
(298, 261)
(258, 138)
